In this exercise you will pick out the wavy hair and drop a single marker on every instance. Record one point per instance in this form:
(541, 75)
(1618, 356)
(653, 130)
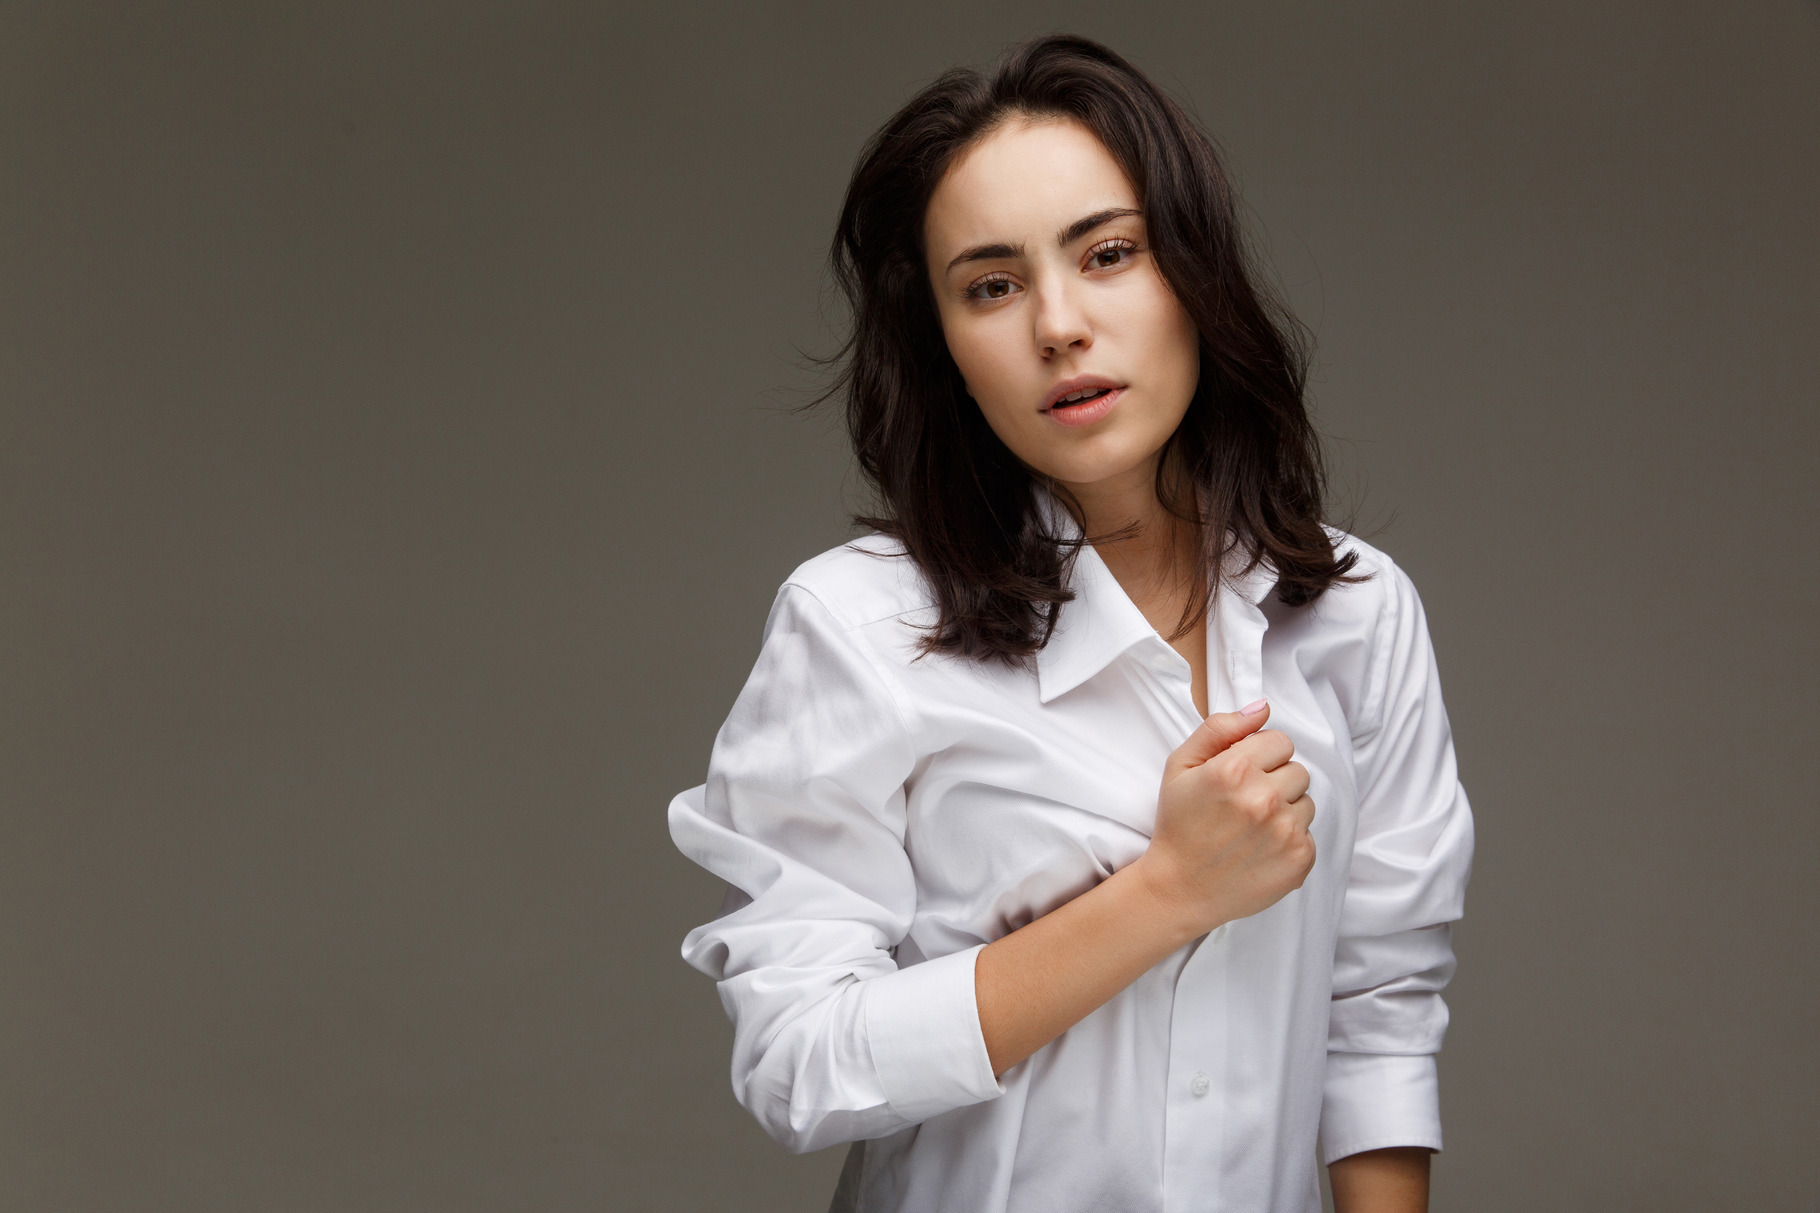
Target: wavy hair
(962, 505)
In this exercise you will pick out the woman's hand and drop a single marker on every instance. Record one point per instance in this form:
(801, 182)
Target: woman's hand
(1231, 835)
(1231, 838)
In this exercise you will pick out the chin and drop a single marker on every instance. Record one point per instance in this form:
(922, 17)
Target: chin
(1095, 471)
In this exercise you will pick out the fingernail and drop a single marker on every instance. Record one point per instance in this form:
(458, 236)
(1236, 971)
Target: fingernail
(1252, 709)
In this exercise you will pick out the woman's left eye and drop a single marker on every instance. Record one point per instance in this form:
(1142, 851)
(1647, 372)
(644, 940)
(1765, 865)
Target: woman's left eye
(1108, 255)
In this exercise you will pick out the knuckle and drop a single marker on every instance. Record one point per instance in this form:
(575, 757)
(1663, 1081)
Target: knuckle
(1229, 769)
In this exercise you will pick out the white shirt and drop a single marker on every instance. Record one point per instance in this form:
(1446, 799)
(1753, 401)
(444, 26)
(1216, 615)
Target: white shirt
(879, 819)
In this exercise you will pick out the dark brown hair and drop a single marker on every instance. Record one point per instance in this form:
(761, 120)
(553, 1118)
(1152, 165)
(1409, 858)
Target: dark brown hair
(960, 502)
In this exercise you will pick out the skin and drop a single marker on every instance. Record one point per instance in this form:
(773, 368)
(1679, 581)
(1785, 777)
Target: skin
(1037, 252)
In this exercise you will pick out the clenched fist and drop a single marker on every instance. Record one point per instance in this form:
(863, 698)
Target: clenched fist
(1231, 834)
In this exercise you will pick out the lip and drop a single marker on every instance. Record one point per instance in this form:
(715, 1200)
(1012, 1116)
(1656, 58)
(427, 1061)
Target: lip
(1088, 412)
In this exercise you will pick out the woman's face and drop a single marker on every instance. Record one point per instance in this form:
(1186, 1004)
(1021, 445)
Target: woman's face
(1078, 353)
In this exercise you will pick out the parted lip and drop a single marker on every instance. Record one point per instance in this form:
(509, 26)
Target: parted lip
(1068, 387)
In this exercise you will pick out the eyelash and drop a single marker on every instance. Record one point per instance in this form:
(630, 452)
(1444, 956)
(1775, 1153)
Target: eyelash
(977, 289)
(1106, 246)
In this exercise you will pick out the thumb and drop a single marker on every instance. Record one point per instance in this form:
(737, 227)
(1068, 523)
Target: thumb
(1216, 733)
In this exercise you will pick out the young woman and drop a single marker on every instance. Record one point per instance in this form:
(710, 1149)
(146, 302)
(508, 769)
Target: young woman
(1091, 828)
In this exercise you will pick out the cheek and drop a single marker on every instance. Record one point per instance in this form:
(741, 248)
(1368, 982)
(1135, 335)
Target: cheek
(1175, 347)
(1170, 322)
(989, 365)
(1002, 389)
(978, 354)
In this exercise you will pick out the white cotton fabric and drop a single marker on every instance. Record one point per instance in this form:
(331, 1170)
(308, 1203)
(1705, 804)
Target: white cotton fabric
(880, 818)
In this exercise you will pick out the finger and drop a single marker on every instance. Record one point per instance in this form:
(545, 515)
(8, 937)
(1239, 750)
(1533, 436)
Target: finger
(1302, 811)
(1290, 780)
(1266, 749)
(1218, 732)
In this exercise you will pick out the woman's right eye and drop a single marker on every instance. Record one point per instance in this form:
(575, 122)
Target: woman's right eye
(990, 288)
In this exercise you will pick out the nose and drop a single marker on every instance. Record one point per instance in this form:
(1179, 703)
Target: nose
(1060, 321)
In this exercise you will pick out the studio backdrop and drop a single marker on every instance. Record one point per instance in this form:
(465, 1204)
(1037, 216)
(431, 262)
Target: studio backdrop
(400, 448)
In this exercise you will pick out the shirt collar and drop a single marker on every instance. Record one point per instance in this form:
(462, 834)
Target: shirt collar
(1101, 622)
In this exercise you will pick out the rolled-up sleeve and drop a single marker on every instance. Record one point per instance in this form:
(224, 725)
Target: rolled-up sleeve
(1412, 856)
(803, 816)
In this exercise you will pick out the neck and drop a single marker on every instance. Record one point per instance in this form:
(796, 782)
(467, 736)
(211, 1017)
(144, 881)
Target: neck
(1126, 500)
(1155, 559)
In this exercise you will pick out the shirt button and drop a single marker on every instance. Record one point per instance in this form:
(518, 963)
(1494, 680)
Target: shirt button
(1200, 1085)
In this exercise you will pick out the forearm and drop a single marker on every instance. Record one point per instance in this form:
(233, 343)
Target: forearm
(1042, 979)
(1381, 1181)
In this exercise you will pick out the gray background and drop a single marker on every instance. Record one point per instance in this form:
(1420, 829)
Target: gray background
(396, 466)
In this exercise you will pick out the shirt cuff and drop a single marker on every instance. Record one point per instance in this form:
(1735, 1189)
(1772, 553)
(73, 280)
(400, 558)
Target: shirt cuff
(923, 1025)
(1376, 1100)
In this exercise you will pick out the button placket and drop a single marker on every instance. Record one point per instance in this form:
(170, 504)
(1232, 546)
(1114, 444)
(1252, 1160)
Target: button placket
(1172, 677)
(1245, 652)
(1194, 1127)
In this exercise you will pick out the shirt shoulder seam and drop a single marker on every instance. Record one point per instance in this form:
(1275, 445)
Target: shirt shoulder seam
(880, 672)
(838, 610)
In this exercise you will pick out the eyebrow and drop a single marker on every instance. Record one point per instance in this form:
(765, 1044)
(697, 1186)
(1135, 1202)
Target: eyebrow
(1068, 235)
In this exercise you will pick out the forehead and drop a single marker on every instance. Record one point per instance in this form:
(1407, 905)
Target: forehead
(1023, 182)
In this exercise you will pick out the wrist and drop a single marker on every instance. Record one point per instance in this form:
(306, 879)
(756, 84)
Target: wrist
(1173, 900)
(1390, 1180)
